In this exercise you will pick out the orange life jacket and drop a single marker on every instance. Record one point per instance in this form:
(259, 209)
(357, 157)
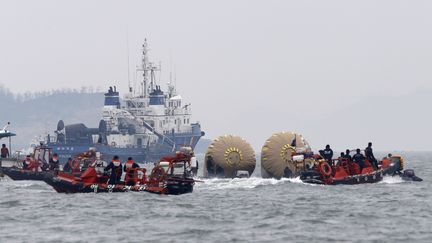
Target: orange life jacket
(129, 164)
(385, 163)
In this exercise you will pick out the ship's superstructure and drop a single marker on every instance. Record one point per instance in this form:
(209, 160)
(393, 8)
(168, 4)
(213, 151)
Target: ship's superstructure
(147, 123)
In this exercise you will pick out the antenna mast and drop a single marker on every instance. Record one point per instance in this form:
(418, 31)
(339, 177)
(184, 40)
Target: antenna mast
(128, 63)
(148, 69)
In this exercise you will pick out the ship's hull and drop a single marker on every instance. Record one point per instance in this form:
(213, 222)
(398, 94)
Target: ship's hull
(143, 154)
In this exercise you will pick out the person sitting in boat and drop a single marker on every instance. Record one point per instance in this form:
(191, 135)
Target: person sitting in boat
(4, 152)
(27, 162)
(31, 164)
(347, 155)
(328, 154)
(359, 159)
(370, 156)
(116, 170)
(68, 166)
(72, 166)
(54, 163)
(129, 169)
(386, 161)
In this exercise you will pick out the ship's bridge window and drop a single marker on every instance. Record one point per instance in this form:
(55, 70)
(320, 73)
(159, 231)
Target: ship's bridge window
(157, 100)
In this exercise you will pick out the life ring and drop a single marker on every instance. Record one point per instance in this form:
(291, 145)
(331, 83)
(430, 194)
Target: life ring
(113, 144)
(325, 169)
(157, 174)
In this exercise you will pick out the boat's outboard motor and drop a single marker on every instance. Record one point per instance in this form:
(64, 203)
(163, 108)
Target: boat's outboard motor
(410, 176)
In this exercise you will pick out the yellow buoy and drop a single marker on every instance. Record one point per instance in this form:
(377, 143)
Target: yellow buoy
(229, 155)
(281, 155)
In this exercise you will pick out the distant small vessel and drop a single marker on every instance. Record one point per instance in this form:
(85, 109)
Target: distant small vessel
(148, 124)
(4, 133)
(39, 159)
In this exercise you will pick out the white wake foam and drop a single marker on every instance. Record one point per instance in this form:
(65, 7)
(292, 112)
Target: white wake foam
(248, 183)
(392, 180)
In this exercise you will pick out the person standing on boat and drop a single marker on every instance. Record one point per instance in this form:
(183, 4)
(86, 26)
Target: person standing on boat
(328, 154)
(116, 170)
(347, 155)
(370, 156)
(4, 152)
(194, 164)
(54, 163)
(129, 169)
(358, 158)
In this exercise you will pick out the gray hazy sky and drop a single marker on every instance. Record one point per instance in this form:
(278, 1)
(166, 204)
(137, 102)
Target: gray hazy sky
(248, 67)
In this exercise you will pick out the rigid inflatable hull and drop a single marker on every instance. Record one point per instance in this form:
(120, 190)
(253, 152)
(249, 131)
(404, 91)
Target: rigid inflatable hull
(314, 177)
(17, 174)
(171, 187)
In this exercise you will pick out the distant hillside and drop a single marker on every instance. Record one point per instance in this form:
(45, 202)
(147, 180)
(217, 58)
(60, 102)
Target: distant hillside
(39, 114)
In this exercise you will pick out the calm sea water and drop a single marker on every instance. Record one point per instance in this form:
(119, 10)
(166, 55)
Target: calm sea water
(225, 210)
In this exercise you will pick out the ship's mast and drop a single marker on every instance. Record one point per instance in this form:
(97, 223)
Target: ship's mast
(145, 69)
(148, 70)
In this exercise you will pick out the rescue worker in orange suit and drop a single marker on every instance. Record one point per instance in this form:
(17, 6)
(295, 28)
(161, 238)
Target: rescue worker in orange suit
(386, 161)
(4, 152)
(116, 171)
(370, 156)
(54, 163)
(358, 158)
(130, 173)
(328, 154)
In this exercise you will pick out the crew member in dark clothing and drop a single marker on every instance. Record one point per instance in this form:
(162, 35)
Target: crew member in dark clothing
(68, 166)
(370, 156)
(130, 173)
(4, 152)
(54, 162)
(116, 171)
(358, 158)
(328, 154)
(348, 156)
